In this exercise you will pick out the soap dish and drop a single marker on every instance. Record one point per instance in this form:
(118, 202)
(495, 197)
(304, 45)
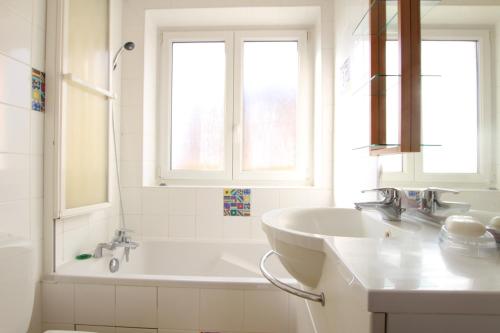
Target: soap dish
(477, 247)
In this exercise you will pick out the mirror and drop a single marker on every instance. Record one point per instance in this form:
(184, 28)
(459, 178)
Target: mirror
(460, 50)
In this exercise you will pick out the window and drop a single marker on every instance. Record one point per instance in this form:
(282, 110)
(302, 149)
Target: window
(235, 107)
(455, 112)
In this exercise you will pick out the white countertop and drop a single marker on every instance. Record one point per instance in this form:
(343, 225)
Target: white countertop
(415, 275)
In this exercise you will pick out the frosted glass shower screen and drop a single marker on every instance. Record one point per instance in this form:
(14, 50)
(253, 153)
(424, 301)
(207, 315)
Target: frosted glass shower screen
(85, 114)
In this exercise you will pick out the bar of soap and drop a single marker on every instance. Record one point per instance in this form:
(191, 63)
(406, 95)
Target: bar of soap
(466, 226)
(495, 223)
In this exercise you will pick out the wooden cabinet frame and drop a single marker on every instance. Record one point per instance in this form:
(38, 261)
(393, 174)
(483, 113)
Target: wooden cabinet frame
(410, 83)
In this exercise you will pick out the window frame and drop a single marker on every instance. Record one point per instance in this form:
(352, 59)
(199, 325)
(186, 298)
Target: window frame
(413, 163)
(233, 173)
(165, 114)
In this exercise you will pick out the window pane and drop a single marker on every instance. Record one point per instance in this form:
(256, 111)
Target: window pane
(86, 148)
(450, 106)
(198, 88)
(270, 81)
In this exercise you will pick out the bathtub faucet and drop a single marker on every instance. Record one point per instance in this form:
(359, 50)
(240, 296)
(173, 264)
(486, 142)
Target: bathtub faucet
(121, 239)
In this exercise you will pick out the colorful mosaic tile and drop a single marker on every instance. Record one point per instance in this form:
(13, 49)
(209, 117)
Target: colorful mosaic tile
(237, 201)
(37, 90)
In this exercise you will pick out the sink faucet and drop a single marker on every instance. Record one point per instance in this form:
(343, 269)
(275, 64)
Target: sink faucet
(432, 209)
(390, 207)
(121, 239)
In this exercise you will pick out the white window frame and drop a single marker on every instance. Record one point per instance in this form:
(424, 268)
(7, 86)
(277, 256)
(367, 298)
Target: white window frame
(233, 173)
(413, 163)
(165, 114)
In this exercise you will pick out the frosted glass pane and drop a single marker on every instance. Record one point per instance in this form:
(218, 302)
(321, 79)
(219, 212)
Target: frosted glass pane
(86, 148)
(450, 106)
(270, 81)
(87, 41)
(198, 95)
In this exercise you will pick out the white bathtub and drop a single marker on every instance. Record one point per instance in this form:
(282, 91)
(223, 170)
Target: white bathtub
(195, 286)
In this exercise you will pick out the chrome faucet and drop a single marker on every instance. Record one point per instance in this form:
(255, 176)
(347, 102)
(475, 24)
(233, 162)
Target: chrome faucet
(390, 207)
(121, 239)
(431, 208)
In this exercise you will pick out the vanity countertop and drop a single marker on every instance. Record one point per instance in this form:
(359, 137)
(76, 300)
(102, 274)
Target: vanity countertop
(413, 275)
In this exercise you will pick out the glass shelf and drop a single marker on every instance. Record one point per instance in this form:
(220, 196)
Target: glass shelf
(390, 145)
(392, 81)
(390, 26)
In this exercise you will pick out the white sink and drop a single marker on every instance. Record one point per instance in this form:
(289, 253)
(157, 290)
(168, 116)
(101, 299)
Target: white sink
(297, 234)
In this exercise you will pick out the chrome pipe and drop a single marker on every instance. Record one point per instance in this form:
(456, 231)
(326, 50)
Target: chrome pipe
(320, 298)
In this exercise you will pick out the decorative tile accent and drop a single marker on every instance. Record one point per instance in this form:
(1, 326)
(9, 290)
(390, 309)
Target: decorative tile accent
(237, 201)
(37, 90)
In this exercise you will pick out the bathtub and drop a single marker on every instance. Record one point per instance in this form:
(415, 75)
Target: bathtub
(193, 286)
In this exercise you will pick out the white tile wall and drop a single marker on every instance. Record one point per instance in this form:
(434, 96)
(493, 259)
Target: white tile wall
(95, 304)
(22, 41)
(136, 306)
(58, 303)
(172, 310)
(178, 308)
(221, 309)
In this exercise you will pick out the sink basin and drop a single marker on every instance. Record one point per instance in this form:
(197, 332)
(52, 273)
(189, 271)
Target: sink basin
(297, 234)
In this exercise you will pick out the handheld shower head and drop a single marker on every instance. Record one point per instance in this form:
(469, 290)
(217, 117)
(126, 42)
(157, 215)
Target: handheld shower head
(129, 46)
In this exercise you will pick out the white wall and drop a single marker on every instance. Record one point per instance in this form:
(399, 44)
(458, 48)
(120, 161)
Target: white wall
(196, 212)
(22, 46)
(354, 170)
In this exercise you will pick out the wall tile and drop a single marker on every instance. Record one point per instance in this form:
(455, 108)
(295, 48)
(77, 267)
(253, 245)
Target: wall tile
(266, 311)
(36, 129)
(132, 200)
(237, 227)
(155, 200)
(57, 326)
(182, 201)
(131, 149)
(182, 226)
(132, 222)
(209, 227)
(130, 174)
(16, 43)
(135, 330)
(131, 121)
(38, 48)
(256, 229)
(36, 176)
(136, 306)
(178, 308)
(36, 218)
(221, 309)
(14, 177)
(155, 226)
(209, 201)
(264, 200)
(15, 129)
(15, 83)
(58, 302)
(95, 304)
(39, 13)
(96, 329)
(132, 92)
(23, 8)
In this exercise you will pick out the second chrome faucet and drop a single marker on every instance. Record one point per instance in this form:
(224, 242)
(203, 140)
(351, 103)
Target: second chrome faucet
(425, 205)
